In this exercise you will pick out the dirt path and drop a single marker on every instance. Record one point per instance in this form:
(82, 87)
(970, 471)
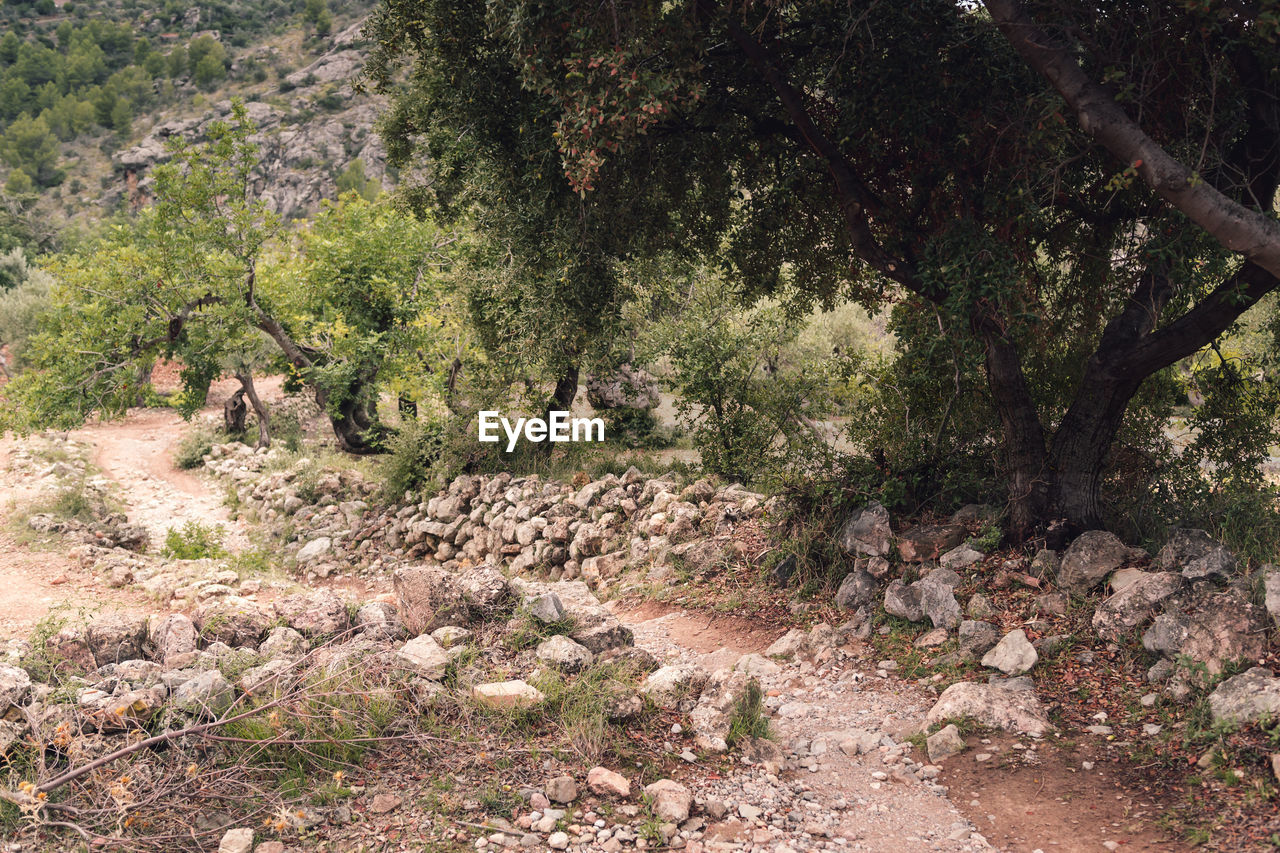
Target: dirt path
(1026, 796)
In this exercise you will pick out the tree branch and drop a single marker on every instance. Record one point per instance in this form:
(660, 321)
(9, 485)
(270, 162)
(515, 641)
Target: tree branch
(1238, 228)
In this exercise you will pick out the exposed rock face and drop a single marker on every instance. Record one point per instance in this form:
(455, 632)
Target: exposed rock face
(1134, 605)
(867, 532)
(1246, 697)
(1195, 554)
(1212, 627)
(1089, 559)
(930, 541)
(992, 705)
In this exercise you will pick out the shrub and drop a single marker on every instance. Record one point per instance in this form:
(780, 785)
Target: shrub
(748, 720)
(194, 446)
(415, 449)
(194, 541)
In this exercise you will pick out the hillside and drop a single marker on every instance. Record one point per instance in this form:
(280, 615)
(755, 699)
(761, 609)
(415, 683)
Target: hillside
(91, 91)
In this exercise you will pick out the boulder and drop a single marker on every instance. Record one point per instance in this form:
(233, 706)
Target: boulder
(545, 608)
(944, 743)
(319, 613)
(424, 656)
(675, 685)
(856, 590)
(564, 654)
(1209, 626)
(507, 694)
(867, 531)
(208, 694)
(113, 637)
(174, 639)
(790, 644)
(1089, 559)
(1246, 697)
(669, 800)
(992, 705)
(379, 619)
(961, 557)
(903, 601)
(232, 620)
(1195, 554)
(1134, 605)
(1013, 655)
(1271, 592)
(977, 638)
(428, 597)
(930, 541)
(314, 550)
(712, 716)
(283, 643)
(15, 686)
(487, 593)
(604, 782)
(593, 625)
(937, 598)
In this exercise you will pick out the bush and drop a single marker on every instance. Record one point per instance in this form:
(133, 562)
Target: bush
(194, 541)
(194, 446)
(415, 449)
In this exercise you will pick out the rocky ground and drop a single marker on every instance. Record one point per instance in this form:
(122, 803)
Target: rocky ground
(526, 692)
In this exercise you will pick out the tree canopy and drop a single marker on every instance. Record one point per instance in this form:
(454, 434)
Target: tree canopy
(1082, 195)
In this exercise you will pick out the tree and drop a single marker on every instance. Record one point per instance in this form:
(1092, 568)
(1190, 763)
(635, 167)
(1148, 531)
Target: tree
(28, 144)
(884, 151)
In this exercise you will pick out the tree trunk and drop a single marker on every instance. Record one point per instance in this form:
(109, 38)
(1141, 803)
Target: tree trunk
(259, 409)
(233, 413)
(566, 390)
(1024, 445)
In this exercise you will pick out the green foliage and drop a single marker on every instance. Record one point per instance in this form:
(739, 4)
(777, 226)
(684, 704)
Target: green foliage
(352, 180)
(414, 451)
(748, 719)
(194, 541)
(194, 446)
(30, 146)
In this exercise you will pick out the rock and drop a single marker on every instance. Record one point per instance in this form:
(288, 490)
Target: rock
(258, 679)
(712, 716)
(424, 656)
(208, 694)
(320, 613)
(929, 541)
(675, 685)
(992, 705)
(428, 598)
(606, 783)
(903, 601)
(451, 636)
(113, 637)
(558, 840)
(283, 643)
(239, 840)
(788, 645)
(487, 593)
(1121, 578)
(545, 608)
(857, 589)
(1209, 626)
(1045, 564)
(564, 654)
(15, 686)
(1053, 603)
(594, 626)
(232, 620)
(507, 694)
(867, 532)
(944, 743)
(561, 789)
(937, 598)
(314, 550)
(384, 803)
(1195, 554)
(931, 639)
(1271, 592)
(756, 666)
(379, 619)
(1134, 605)
(981, 608)
(1246, 697)
(670, 800)
(174, 638)
(977, 638)
(1089, 559)
(961, 557)
(1013, 655)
